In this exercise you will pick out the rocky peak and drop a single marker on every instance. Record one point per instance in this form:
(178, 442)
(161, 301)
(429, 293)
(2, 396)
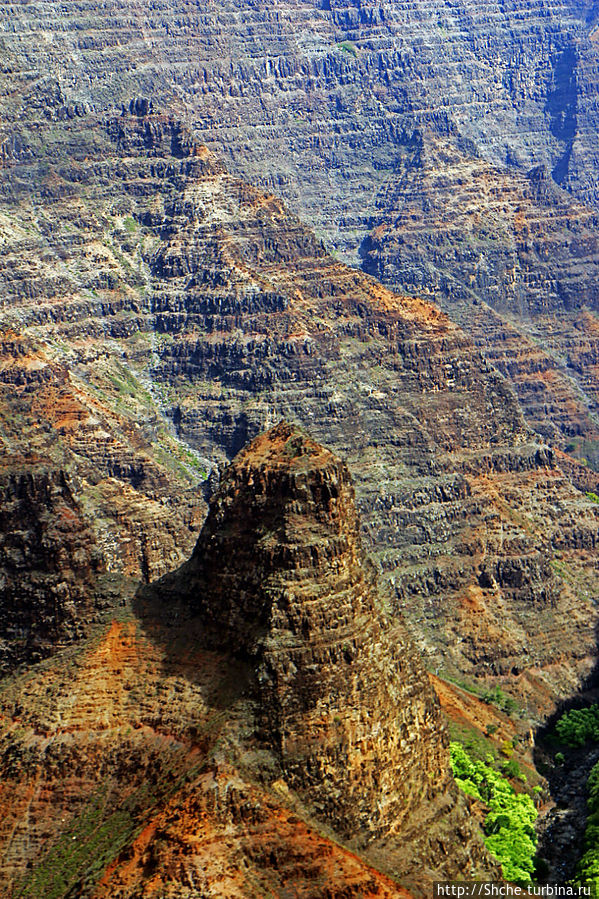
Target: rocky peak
(284, 512)
(279, 577)
(302, 758)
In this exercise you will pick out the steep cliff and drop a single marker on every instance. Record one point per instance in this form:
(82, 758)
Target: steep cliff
(279, 576)
(212, 312)
(260, 721)
(48, 563)
(513, 259)
(318, 102)
(327, 92)
(87, 500)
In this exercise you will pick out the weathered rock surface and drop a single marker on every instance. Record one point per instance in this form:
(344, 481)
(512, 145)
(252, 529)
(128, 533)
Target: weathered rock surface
(48, 562)
(158, 313)
(326, 93)
(513, 259)
(85, 502)
(279, 577)
(318, 103)
(117, 781)
(261, 716)
(213, 312)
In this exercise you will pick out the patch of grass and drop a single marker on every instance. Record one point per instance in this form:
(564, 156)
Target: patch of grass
(193, 462)
(497, 697)
(479, 746)
(348, 47)
(127, 385)
(469, 687)
(561, 569)
(95, 838)
(83, 850)
(178, 458)
(491, 695)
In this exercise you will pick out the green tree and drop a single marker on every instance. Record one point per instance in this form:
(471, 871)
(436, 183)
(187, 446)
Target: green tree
(509, 824)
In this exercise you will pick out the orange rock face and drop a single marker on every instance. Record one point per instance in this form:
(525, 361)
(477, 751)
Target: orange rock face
(249, 727)
(232, 839)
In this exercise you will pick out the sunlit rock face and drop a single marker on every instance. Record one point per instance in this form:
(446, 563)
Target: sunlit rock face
(257, 716)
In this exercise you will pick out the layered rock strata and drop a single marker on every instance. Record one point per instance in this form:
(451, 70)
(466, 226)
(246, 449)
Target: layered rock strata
(116, 783)
(318, 103)
(263, 724)
(86, 501)
(279, 577)
(212, 313)
(49, 563)
(327, 92)
(513, 259)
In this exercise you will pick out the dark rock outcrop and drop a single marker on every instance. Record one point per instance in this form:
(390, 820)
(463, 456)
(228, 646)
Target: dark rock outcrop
(279, 578)
(85, 503)
(49, 564)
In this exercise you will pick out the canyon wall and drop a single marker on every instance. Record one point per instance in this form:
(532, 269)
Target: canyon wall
(256, 721)
(213, 312)
(322, 103)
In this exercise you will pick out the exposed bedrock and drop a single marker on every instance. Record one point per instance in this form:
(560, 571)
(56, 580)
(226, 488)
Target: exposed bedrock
(279, 579)
(256, 718)
(217, 313)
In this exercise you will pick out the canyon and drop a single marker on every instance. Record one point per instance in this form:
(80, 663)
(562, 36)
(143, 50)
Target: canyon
(211, 313)
(377, 222)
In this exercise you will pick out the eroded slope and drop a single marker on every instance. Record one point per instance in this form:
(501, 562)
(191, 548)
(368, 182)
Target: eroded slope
(257, 718)
(214, 312)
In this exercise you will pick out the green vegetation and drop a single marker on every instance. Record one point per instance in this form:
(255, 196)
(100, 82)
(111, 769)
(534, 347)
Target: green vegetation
(509, 824)
(497, 697)
(127, 266)
(592, 496)
(586, 451)
(578, 726)
(127, 385)
(83, 851)
(348, 47)
(478, 745)
(178, 458)
(588, 866)
(491, 695)
(563, 571)
(469, 687)
(511, 768)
